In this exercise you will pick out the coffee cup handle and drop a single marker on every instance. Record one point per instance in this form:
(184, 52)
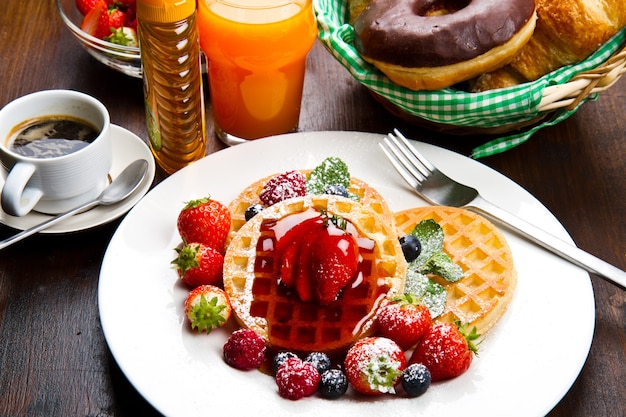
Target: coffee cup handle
(17, 198)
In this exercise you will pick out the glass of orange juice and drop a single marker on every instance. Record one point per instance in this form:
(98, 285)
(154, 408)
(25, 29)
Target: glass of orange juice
(256, 52)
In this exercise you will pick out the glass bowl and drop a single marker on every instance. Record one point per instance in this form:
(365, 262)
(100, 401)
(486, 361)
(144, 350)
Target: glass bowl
(125, 59)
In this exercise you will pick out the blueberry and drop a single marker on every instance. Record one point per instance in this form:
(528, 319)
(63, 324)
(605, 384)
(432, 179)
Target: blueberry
(411, 247)
(280, 358)
(336, 189)
(253, 210)
(320, 360)
(333, 384)
(415, 379)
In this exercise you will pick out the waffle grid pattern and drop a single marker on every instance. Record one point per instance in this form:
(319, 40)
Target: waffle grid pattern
(480, 249)
(307, 326)
(249, 196)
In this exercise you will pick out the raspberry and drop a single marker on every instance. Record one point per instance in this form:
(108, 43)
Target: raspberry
(297, 379)
(244, 350)
(280, 358)
(283, 186)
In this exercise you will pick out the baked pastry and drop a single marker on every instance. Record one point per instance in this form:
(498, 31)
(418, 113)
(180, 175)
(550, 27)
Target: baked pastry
(479, 248)
(262, 303)
(429, 45)
(567, 32)
(368, 196)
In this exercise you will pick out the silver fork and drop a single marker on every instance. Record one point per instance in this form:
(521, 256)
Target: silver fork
(438, 189)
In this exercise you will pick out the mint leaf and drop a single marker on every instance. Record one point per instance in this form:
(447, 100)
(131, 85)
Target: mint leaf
(432, 259)
(332, 171)
(430, 235)
(432, 295)
(442, 265)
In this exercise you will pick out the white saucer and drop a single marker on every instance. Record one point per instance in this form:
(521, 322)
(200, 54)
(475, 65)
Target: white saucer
(127, 147)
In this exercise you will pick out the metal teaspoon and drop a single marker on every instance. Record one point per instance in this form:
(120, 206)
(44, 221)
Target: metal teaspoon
(121, 187)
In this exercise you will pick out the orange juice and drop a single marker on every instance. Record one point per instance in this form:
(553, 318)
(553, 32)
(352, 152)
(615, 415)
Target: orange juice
(256, 52)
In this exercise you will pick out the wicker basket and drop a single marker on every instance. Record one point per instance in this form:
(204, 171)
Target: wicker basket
(570, 94)
(567, 96)
(516, 112)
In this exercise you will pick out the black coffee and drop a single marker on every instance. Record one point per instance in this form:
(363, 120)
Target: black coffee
(51, 136)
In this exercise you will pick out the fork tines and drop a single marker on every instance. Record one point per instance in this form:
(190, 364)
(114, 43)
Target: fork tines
(412, 166)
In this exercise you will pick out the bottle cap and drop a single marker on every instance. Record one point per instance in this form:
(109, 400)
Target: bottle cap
(165, 11)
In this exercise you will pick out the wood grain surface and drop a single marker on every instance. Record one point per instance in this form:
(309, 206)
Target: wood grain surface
(54, 360)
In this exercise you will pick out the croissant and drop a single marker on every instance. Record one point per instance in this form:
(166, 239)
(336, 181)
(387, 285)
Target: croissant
(567, 32)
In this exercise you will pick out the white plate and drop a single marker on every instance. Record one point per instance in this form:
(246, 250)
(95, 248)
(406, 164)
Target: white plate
(527, 362)
(127, 147)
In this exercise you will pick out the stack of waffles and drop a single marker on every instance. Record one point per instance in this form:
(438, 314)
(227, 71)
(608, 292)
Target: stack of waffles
(260, 302)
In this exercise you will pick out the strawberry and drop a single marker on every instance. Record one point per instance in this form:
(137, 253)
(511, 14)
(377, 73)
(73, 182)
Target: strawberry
(334, 262)
(207, 307)
(199, 264)
(374, 365)
(204, 221)
(96, 21)
(446, 350)
(283, 186)
(117, 18)
(404, 320)
(85, 6)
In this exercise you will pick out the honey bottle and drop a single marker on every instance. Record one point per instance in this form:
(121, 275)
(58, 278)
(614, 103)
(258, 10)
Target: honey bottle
(172, 81)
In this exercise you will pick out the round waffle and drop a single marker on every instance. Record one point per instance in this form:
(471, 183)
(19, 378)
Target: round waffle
(479, 248)
(264, 305)
(250, 195)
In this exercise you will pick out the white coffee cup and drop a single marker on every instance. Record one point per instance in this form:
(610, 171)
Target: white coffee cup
(54, 184)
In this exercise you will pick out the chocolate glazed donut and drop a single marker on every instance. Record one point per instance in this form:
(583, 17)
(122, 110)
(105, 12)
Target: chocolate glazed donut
(442, 36)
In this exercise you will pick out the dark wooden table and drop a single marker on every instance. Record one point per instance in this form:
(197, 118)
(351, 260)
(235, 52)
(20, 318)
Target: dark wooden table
(54, 360)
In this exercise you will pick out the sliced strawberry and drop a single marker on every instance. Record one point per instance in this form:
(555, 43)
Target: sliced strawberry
(303, 280)
(96, 21)
(301, 222)
(334, 262)
(288, 264)
(288, 246)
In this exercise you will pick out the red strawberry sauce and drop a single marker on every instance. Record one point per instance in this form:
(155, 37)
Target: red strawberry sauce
(297, 325)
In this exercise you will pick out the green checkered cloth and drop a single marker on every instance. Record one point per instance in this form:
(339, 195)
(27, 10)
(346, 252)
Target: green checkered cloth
(487, 109)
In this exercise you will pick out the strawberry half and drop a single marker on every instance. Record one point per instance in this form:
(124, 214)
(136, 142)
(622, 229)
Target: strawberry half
(96, 21)
(204, 221)
(207, 307)
(446, 350)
